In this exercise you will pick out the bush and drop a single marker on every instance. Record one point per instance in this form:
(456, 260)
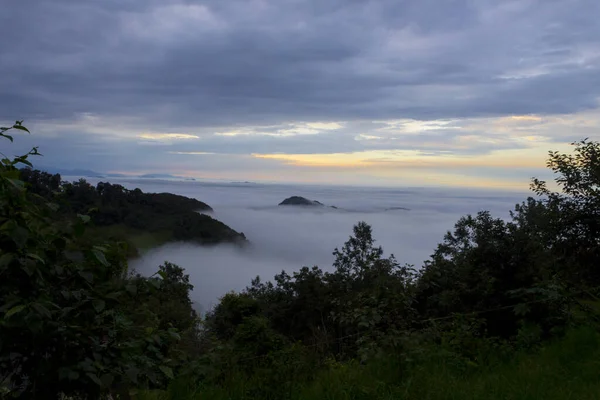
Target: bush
(70, 321)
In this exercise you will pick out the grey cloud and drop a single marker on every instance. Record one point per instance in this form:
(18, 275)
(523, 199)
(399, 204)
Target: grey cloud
(269, 61)
(132, 153)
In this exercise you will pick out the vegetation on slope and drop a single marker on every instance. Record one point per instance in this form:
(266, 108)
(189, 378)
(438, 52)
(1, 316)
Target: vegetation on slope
(71, 321)
(300, 201)
(501, 309)
(563, 369)
(141, 219)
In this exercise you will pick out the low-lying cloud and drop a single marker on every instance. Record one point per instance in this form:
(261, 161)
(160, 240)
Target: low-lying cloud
(287, 238)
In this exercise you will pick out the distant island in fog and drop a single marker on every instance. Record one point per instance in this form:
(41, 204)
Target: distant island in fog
(86, 173)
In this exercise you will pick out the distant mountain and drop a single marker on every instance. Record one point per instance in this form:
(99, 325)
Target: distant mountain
(300, 201)
(164, 176)
(86, 173)
(164, 216)
(159, 176)
(303, 202)
(76, 172)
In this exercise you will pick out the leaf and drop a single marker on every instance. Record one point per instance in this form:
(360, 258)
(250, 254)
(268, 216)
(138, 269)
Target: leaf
(73, 375)
(521, 309)
(132, 374)
(107, 380)
(174, 335)
(7, 136)
(5, 259)
(98, 305)
(155, 282)
(23, 160)
(84, 218)
(28, 269)
(114, 295)
(20, 127)
(17, 183)
(131, 288)
(94, 378)
(78, 230)
(14, 311)
(87, 275)
(59, 243)
(8, 225)
(66, 310)
(100, 257)
(167, 371)
(42, 310)
(63, 373)
(36, 257)
(19, 235)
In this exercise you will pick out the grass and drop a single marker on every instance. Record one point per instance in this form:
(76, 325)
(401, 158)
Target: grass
(565, 369)
(145, 241)
(139, 241)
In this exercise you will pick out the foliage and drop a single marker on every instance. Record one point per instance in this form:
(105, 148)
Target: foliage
(328, 310)
(170, 216)
(492, 286)
(573, 214)
(485, 266)
(71, 322)
(564, 369)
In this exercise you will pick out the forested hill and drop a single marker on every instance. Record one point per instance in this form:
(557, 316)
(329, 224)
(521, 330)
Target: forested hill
(119, 213)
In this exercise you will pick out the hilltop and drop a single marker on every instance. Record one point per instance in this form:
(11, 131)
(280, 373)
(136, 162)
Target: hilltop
(302, 202)
(87, 173)
(143, 220)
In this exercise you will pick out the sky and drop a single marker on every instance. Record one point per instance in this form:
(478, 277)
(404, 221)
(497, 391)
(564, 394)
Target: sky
(382, 92)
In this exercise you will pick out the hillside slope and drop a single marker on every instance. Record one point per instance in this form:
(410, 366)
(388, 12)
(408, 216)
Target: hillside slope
(141, 219)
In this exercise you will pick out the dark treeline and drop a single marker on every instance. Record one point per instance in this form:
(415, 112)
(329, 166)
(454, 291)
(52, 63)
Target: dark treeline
(175, 217)
(78, 324)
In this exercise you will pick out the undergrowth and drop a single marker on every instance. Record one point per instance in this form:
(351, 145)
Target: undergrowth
(568, 368)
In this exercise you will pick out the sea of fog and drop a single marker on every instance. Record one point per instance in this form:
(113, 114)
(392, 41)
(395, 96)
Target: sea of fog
(287, 238)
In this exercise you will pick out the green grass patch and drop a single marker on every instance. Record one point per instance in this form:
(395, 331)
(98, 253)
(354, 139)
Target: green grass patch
(562, 370)
(138, 241)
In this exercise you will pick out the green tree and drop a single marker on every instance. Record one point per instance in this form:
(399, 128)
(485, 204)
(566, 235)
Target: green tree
(373, 297)
(536, 262)
(64, 324)
(573, 212)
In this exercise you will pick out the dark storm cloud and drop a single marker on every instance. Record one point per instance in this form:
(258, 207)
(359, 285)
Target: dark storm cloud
(222, 63)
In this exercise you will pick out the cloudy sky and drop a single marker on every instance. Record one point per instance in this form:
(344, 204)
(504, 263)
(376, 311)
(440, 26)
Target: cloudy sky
(391, 92)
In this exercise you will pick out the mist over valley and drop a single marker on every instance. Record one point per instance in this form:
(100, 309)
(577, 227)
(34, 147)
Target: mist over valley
(407, 222)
